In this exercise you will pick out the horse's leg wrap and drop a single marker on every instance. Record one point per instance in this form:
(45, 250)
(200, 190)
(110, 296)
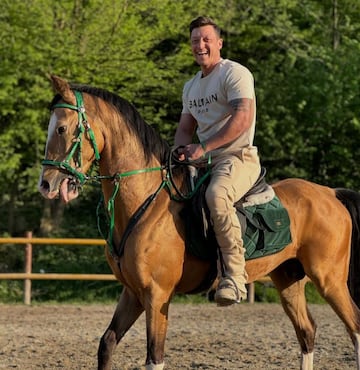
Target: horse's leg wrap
(357, 349)
(152, 366)
(307, 361)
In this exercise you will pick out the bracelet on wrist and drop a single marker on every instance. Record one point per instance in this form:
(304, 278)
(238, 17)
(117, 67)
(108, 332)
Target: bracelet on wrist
(203, 145)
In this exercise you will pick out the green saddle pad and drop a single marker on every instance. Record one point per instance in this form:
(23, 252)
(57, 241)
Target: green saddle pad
(268, 229)
(267, 232)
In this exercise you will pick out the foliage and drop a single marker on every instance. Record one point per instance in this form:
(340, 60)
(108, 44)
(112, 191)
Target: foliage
(267, 293)
(305, 57)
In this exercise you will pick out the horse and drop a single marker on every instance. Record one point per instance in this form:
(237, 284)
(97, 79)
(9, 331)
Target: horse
(90, 125)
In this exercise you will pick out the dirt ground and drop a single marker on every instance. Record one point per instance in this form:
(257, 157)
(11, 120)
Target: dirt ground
(246, 336)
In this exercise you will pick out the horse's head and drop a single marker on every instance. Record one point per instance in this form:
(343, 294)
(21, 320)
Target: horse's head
(71, 145)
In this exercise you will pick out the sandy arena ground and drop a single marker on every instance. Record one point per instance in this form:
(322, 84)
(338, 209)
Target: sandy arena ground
(246, 336)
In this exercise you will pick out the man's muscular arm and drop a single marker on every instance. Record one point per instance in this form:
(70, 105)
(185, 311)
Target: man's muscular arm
(184, 134)
(241, 118)
(185, 130)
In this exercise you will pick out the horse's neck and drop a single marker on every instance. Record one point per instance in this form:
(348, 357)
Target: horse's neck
(125, 198)
(122, 150)
(123, 157)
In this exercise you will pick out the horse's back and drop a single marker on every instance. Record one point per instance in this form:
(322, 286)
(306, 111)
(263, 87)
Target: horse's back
(294, 188)
(310, 200)
(316, 216)
(311, 204)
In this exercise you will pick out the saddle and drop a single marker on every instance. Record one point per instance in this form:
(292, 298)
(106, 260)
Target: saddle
(264, 221)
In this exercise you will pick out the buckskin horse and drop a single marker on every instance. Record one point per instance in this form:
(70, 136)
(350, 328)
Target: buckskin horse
(89, 124)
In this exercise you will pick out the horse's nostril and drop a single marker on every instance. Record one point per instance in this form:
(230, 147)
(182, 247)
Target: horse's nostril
(45, 185)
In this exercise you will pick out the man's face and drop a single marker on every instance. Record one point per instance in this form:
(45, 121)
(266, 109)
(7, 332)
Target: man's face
(206, 46)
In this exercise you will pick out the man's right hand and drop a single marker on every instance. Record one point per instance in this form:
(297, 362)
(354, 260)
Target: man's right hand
(190, 152)
(180, 153)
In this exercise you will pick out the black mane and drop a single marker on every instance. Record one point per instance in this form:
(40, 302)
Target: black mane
(153, 144)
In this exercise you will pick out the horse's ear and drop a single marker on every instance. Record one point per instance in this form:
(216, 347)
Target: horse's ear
(62, 87)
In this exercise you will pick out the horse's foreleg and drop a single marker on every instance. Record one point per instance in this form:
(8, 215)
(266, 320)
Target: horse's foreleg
(126, 313)
(156, 327)
(292, 294)
(152, 366)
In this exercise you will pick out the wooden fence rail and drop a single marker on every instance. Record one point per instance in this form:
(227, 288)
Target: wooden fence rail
(28, 275)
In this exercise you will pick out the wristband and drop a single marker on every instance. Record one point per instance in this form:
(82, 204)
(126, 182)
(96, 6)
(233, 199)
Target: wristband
(203, 145)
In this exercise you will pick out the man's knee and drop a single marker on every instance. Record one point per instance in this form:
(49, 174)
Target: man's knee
(216, 197)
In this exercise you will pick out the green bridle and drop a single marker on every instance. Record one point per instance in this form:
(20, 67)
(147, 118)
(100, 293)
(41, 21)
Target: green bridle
(76, 149)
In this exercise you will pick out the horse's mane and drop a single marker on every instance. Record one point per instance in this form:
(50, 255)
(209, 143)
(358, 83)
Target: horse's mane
(152, 142)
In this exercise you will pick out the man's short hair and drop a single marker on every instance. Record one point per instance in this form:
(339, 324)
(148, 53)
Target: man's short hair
(204, 21)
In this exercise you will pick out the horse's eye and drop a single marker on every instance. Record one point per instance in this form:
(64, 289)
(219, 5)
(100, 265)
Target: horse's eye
(60, 130)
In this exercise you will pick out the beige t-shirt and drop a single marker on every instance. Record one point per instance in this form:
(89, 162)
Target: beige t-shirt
(207, 100)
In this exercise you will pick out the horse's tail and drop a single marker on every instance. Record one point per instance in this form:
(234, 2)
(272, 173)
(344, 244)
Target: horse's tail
(351, 200)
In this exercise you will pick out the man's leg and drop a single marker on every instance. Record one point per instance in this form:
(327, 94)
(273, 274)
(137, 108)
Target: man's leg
(230, 180)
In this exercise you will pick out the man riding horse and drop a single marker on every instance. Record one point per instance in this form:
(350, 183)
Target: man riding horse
(219, 102)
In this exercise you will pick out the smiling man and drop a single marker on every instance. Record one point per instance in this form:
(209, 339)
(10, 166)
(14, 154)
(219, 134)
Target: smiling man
(219, 103)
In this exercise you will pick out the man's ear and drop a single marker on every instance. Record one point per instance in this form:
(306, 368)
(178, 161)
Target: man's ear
(220, 44)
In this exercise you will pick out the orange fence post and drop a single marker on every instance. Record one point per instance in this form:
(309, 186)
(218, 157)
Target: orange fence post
(28, 269)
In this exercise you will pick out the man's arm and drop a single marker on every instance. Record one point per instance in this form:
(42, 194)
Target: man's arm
(242, 113)
(185, 130)
(184, 134)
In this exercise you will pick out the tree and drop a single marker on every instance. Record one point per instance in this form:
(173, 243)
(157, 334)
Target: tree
(304, 57)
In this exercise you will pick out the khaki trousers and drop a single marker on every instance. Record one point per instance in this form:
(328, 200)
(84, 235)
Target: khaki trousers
(231, 178)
